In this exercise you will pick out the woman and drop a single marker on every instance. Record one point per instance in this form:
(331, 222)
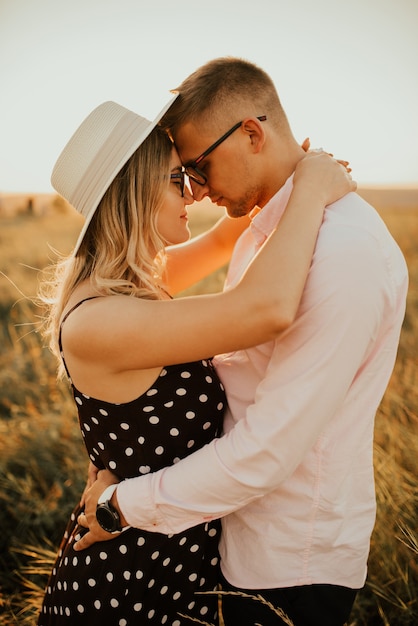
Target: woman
(139, 361)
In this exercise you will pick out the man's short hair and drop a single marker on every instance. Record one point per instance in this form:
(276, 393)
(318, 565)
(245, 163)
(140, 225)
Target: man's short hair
(224, 89)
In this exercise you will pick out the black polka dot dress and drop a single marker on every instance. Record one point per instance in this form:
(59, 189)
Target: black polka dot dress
(141, 577)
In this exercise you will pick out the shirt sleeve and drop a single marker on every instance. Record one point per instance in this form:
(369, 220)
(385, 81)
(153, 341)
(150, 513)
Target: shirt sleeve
(311, 369)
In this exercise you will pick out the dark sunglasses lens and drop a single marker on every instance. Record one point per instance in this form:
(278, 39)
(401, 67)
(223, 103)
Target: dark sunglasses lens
(196, 175)
(182, 181)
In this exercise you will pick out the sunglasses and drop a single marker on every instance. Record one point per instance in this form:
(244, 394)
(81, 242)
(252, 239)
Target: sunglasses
(181, 178)
(191, 169)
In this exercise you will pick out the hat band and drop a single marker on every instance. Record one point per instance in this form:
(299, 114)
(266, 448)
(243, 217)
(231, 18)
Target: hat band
(112, 157)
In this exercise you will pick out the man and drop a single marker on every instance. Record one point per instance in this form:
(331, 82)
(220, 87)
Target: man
(292, 477)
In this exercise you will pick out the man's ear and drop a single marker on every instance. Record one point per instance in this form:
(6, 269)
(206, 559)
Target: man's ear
(255, 131)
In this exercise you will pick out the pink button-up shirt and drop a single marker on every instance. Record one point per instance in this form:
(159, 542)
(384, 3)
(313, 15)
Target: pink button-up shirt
(293, 475)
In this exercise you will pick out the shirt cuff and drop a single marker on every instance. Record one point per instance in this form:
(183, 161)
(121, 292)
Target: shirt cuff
(136, 504)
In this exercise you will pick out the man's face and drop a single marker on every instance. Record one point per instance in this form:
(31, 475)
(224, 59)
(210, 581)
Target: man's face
(229, 177)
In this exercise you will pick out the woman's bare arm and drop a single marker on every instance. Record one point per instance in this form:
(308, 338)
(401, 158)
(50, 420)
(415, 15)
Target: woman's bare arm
(126, 334)
(189, 262)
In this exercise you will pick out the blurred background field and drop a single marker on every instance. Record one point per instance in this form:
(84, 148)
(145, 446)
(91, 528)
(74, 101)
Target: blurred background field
(42, 459)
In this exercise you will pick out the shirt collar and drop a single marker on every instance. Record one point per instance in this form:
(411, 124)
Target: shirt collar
(264, 220)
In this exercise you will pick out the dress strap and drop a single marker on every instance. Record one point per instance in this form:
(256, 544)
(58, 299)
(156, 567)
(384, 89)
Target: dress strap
(62, 322)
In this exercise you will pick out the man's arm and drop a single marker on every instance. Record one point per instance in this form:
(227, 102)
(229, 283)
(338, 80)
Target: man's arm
(312, 367)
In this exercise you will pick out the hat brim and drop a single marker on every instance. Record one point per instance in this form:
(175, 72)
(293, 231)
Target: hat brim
(133, 146)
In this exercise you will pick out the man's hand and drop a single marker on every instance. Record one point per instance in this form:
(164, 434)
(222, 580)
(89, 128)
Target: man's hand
(91, 495)
(91, 478)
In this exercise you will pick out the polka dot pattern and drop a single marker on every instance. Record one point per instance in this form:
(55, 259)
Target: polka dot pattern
(141, 577)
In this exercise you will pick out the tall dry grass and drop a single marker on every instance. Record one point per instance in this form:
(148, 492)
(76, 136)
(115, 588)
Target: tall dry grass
(42, 459)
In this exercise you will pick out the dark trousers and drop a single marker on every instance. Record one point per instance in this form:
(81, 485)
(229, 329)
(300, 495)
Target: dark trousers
(308, 605)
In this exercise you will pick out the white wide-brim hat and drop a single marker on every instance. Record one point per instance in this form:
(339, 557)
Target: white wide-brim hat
(96, 152)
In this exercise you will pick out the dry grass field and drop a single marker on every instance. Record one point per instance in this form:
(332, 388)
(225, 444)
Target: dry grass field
(42, 460)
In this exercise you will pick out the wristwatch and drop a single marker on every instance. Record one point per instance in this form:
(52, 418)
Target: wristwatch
(106, 514)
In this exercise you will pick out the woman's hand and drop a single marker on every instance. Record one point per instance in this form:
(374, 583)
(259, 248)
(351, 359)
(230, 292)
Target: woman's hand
(306, 145)
(323, 176)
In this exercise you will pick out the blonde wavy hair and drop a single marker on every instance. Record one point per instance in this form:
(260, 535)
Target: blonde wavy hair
(122, 251)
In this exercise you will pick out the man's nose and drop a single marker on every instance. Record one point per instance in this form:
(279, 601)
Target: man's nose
(199, 191)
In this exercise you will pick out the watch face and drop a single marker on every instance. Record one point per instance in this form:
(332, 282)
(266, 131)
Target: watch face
(108, 517)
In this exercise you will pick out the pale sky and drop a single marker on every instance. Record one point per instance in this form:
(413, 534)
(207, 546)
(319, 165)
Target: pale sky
(346, 72)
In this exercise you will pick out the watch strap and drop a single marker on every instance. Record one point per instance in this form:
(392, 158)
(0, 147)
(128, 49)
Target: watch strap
(107, 493)
(105, 497)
